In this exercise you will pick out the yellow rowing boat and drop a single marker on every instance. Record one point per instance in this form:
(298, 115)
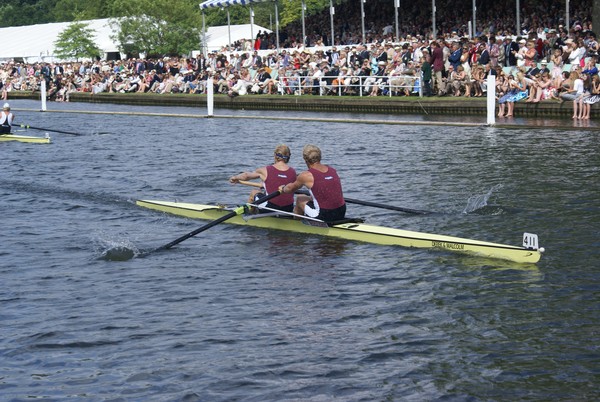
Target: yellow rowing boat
(25, 138)
(356, 231)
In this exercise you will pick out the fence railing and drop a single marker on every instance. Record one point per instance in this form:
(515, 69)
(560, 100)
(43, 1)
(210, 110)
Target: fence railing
(389, 85)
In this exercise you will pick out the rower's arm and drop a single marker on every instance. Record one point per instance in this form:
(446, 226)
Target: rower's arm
(260, 173)
(304, 179)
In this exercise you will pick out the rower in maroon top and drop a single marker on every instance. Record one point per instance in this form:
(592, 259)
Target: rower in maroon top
(272, 176)
(326, 199)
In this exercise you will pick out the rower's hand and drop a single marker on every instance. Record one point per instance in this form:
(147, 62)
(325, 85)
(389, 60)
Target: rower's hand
(234, 180)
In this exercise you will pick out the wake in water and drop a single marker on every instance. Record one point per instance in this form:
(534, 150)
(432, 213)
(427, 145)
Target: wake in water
(479, 203)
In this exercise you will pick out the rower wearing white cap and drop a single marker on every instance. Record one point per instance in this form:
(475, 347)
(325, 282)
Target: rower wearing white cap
(6, 119)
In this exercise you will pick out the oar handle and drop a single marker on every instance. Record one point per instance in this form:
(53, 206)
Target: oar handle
(237, 211)
(250, 183)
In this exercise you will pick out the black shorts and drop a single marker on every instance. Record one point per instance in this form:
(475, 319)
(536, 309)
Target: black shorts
(285, 208)
(330, 215)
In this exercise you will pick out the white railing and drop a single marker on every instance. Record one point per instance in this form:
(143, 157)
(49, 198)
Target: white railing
(350, 85)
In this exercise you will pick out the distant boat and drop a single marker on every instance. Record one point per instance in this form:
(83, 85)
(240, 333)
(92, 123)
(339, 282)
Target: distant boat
(25, 138)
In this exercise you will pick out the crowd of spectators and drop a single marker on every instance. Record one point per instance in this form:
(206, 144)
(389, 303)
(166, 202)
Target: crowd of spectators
(539, 63)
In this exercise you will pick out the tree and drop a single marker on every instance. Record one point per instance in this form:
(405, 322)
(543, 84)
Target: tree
(76, 42)
(25, 12)
(74, 10)
(157, 27)
(293, 10)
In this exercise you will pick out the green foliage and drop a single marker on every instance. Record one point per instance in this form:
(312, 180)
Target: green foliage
(217, 16)
(76, 42)
(264, 13)
(25, 12)
(70, 10)
(157, 27)
(293, 10)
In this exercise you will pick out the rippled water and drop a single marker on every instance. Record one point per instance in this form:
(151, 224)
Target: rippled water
(247, 314)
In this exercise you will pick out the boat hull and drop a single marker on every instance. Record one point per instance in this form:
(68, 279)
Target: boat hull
(25, 138)
(353, 231)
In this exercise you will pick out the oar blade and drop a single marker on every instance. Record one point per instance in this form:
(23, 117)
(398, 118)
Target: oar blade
(235, 212)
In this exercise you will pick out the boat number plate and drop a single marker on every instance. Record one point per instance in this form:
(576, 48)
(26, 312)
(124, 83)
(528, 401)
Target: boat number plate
(530, 241)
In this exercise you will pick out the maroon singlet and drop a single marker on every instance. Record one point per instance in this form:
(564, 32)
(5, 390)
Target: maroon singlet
(327, 188)
(276, 178)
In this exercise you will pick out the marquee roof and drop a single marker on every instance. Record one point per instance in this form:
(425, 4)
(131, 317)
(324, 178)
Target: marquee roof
(36, 42)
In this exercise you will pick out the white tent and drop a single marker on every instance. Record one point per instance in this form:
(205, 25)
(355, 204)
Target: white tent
(218, 37)
(36, 42)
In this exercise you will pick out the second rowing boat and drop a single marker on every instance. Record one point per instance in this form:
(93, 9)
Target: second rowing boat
(25, 138)
(358, 231)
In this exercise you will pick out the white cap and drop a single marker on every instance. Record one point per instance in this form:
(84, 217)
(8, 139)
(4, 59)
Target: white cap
(6, 106)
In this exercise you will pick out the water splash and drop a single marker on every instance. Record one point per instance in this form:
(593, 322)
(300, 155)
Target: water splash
(116, 249)
(478, 202)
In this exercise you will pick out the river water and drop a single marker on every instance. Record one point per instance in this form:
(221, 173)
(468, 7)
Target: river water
(251, 315)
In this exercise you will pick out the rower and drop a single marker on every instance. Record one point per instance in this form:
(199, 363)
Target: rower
(272, 176)
(6, 119)
(326, 199)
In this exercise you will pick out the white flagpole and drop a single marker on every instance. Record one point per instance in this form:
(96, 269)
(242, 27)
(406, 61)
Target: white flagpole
(43, 94)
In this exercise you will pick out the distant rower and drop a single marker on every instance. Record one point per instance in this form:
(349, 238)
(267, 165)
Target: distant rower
(6, 119)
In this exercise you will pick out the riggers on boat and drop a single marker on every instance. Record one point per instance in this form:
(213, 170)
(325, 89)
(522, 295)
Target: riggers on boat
(358, 231)
(25, 138)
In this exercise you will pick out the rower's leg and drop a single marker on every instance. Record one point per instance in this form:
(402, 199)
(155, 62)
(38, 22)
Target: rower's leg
(301, 201)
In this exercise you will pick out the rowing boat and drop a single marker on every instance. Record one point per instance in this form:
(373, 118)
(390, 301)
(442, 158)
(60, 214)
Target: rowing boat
(25, 138)
(356, 231)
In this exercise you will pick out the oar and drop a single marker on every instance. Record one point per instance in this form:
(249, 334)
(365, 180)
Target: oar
(49, 129)
(235, 212)
(359, 202)
(392, 207)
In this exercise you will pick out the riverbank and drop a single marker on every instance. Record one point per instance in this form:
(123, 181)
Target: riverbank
(455, 106)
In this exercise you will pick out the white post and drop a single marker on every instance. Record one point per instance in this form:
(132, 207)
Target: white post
(491, 100)
(252, 39)
(332, 13)
(229, 29)
(43, 93)
(210, 99)
(474, 23)
(303, 24)
(204, 47)
(277, 25)
(433, 28)
(396, 6)
(518, 17)
(362, 20)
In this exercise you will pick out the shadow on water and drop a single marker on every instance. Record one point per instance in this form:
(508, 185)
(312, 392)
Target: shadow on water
(66, 194)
